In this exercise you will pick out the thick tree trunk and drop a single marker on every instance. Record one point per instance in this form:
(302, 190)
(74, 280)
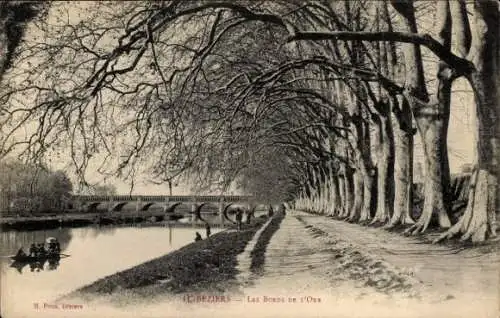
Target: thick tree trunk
(358, 188)
(403, 165)
(432, 122)
(437, 176)
(325, 197)
(357, 128)
(369, 196)
(365, 170)
(342, 195)
(349, 195)
(403, 177)
(336, 201)
(333, 198)
(385, 173)
(479, 221)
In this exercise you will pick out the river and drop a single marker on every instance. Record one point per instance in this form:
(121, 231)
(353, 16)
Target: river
(95, 252)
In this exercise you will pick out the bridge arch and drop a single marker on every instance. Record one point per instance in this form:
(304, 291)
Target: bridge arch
(146, 206)
(197, 211)
(171, 208)
(226, 211)
(92, 207)
(118, 206)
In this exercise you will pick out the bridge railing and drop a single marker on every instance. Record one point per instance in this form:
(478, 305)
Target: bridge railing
(184, 198)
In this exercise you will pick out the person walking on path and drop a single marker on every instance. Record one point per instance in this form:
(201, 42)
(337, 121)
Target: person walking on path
(283, 208)
(250, 214)
(270, 211)
(207, 229)
(239, 218)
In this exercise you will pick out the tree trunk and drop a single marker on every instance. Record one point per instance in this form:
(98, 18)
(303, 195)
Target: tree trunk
(385, 171)
(432, 122)
(479, 221)
(324, 197)
(368, 172)
(342, 195)
(403, 166)
(358, 188)
(349, 195)
(335, 195)
(331, 194)
(437, 176)
(369, 196)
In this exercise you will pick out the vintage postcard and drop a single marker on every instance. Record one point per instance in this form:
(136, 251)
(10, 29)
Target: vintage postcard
(278, 158)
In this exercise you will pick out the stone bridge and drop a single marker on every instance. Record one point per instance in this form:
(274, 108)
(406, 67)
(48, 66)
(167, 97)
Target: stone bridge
(115, 203)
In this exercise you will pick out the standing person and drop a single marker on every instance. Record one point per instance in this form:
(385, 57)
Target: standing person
(239, 217)
(33, 250)
(270, 211)
(283, 208)
(250, 215)
(207, 228)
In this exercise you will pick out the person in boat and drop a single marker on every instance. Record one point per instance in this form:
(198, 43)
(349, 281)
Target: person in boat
(41, 250)
(21, 253)
(33, 250)
(53, 248)
(37, 250)
(57, 247)
(198, 237)
(207, 228)
(50, 247)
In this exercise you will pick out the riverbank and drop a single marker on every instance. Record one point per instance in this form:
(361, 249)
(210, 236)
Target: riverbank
(204, 266)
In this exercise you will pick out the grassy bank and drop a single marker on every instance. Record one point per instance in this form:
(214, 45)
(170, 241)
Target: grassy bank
(207, 265)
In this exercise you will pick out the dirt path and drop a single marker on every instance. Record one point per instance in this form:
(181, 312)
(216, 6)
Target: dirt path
(449, 283)
(289, 254)
(443, 271)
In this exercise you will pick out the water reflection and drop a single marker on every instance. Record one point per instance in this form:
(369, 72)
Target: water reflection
(37, 266)
(170, 234)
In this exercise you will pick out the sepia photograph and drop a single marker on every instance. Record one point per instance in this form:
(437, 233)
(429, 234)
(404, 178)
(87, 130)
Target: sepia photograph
(250, 158)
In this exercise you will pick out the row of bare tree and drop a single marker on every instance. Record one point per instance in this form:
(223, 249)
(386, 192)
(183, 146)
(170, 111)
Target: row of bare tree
(317, 102)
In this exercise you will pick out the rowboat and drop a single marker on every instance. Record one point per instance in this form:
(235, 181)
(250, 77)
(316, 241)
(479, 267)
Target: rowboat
(30, 259)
